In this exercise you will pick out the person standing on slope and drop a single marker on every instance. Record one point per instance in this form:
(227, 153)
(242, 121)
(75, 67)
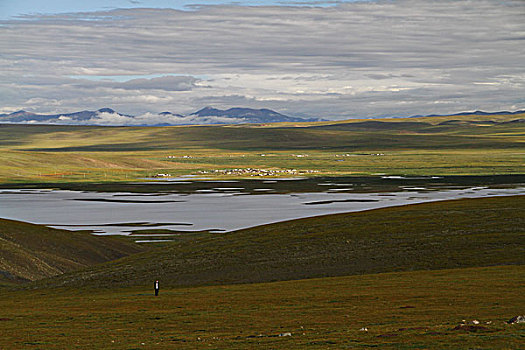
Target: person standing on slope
(156, 286)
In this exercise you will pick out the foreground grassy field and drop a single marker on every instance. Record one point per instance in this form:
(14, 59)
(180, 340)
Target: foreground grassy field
(472, 145)
(410, 310)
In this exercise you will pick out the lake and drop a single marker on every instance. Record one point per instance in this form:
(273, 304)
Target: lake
(219, 206)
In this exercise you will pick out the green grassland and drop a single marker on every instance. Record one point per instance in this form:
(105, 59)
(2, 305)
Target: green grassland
(472, 145)
(409, 274)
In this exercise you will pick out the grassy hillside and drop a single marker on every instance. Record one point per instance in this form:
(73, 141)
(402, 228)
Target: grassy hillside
(450, 234)
(409, 310)
(30, 252)
(463, 145)
(455, 245)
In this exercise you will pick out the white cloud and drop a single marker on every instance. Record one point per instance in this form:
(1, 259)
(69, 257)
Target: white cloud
(113, 119)
(167, 83)
(355, 59)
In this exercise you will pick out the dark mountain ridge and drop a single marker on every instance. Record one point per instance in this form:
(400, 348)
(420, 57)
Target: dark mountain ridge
(23, 116)
(469, 113)
(250, 115)
(207, 115)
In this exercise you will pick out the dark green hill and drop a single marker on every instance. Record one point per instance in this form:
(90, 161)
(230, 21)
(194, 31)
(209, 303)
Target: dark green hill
(30, 252)
(450, 234)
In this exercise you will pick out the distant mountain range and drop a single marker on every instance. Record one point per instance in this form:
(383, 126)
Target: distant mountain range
(250, 115)
(470, 113)
(107, 116)
(208, 115)
(28, 117)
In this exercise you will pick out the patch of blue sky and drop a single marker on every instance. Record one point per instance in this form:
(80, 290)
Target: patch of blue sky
(125, 78)
(10, 9)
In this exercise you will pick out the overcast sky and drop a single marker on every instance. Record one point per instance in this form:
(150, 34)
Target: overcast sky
(329, 59)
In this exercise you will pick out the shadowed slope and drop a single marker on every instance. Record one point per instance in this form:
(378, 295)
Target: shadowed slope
(31, 252)
(451, 234)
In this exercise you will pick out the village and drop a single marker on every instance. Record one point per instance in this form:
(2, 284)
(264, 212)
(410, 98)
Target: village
(257, 172)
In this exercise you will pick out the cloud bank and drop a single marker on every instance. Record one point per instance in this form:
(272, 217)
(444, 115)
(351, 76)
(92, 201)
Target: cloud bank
(112, 119)
(357, 59)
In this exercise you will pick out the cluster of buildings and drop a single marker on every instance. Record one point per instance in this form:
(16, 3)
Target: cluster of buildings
(162, 175)
(185, 157)
(257, 172)
(363, 154)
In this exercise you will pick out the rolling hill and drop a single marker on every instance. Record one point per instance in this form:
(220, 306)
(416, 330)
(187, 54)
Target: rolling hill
(30, 252)
(440, 235)
(430, 146)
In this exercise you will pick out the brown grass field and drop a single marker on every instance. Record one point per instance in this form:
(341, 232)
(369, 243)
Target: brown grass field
(408, 310)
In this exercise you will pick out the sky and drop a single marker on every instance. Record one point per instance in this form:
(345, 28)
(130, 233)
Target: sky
(325, 59)
(16, 8)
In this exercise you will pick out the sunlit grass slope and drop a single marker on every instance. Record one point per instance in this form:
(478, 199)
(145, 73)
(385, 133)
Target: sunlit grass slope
(465, 145)
(439, 235)
(30, 252)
